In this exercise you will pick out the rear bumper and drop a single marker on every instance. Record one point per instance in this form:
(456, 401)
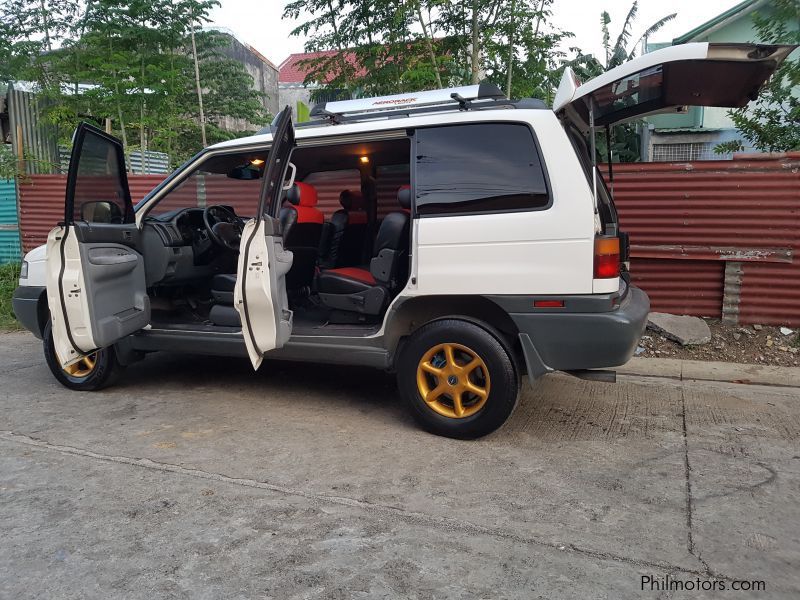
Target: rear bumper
(583, 340)
(29, 304)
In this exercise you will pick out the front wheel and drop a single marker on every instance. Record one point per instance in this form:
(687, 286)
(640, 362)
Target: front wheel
(457, 379)
(91, 373)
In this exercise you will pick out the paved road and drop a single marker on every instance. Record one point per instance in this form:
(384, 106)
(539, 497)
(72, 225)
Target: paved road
(195, 478)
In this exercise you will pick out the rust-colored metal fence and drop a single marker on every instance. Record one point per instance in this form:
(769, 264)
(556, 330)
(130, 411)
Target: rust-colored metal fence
(716, 238)
(709, 238)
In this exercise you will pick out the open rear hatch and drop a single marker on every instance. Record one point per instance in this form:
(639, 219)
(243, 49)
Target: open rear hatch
(670, 80)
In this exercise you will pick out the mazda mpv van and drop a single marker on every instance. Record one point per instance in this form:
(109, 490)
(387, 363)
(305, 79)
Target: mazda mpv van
(473, 241)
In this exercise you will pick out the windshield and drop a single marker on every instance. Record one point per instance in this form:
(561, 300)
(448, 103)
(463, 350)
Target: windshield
(232, 179)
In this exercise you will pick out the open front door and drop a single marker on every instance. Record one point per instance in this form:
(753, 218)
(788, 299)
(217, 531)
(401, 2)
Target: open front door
(95, 273)
(260, 292)
(669, 80)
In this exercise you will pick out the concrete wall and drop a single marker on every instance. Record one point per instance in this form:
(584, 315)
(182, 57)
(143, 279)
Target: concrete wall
(291, 93)
(265, 80)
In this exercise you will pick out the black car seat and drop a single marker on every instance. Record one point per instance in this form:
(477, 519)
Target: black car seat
(346, 232)
(367, 290)
(302, 224)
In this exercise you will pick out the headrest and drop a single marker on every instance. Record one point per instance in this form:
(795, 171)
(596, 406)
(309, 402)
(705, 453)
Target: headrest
(302, 194)
(351, 200)
(404, 196)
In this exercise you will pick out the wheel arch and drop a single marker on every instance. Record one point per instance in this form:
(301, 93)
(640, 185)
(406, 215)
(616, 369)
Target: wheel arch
(414, 312)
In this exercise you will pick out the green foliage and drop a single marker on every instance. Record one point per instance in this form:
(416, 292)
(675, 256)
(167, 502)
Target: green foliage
(587, 66)
(385, 47)
(8, 162)
(729, 147)
(129, 61)
(772, 122)
(9, 277)
(626, 140)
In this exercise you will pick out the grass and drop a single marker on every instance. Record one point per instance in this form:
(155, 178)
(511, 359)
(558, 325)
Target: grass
(9, 276)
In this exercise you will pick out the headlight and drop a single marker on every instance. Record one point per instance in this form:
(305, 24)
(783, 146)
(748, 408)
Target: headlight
(23, 271)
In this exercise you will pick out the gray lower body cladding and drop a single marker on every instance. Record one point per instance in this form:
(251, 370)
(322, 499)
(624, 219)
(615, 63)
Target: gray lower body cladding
(591, 335)
(553, 341)
(28, 303)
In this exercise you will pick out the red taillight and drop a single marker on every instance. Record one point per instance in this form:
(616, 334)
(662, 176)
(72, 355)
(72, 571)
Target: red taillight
(606, 257)
(548, 304)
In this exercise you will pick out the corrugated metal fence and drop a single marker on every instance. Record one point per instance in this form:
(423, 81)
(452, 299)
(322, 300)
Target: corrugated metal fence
(37, 139)
(9, 226)
(716, 238)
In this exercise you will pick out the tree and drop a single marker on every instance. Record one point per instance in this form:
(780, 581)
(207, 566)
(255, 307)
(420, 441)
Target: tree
(624, 139)
(383, 47)
(772, 122)
(522, 56)
(130, 61)
(587, 66)
(28, 30)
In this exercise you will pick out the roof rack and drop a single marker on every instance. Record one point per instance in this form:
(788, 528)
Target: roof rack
(470, 97)
(481, 96)
(460, 96)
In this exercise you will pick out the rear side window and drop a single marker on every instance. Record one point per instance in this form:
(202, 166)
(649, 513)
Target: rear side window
(479, 168)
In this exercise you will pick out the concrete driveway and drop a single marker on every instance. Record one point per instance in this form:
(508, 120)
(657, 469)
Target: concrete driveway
(195, 478)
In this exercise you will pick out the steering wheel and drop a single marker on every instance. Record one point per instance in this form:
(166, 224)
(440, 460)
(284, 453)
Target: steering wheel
(223, 226)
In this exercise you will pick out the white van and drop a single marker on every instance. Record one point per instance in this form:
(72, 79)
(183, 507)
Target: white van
(475, 241)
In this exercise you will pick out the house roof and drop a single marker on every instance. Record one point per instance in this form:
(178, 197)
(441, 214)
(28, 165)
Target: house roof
(721, 20)
(291, 71)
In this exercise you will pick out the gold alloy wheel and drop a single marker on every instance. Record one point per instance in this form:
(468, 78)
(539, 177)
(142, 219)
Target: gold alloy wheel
(82, 368)
(453, 380)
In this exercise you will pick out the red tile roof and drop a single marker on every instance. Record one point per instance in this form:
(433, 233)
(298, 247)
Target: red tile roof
(291, 71)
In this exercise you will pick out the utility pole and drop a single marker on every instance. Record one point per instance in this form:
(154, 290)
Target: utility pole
(476, 45)
(199, 90)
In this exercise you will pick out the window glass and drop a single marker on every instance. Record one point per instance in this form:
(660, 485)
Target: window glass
(388, 180)
(329, 184)
(230, 179)
(630, 92)
(99, 192)
(478, 168)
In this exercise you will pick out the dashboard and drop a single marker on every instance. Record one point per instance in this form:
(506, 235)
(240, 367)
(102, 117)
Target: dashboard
(180, 228)
(179, 249)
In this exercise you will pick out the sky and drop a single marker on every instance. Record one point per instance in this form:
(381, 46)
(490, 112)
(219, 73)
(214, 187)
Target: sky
(259, 23)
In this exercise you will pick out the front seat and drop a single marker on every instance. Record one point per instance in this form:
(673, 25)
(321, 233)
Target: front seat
(302, 223)
(367, 290)
(347, 231)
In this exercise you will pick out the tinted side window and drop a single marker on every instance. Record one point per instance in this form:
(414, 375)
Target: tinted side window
(100, 187)
(478, 168)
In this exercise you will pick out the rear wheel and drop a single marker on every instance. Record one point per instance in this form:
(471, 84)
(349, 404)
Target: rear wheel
(93, 372)
(458, 379)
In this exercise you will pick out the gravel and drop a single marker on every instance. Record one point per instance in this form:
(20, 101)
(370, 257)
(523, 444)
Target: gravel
(749, 344)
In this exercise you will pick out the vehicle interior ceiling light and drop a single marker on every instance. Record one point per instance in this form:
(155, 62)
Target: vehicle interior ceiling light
(257, 162)
(364, 159)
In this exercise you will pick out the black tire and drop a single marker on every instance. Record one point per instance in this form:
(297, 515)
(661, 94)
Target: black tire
(105, 371)
(500, 382)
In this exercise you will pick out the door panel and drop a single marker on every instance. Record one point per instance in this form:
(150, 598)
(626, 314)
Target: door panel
(267, 322)
(95, 274)
(260, 293)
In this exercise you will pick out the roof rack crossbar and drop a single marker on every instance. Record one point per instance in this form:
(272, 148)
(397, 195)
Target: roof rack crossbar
(449, 96)
(526, 103)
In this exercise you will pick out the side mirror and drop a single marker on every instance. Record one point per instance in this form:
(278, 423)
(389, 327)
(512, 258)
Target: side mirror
(101, 212)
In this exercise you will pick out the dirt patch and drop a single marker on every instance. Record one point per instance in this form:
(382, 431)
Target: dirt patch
(750, 344)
